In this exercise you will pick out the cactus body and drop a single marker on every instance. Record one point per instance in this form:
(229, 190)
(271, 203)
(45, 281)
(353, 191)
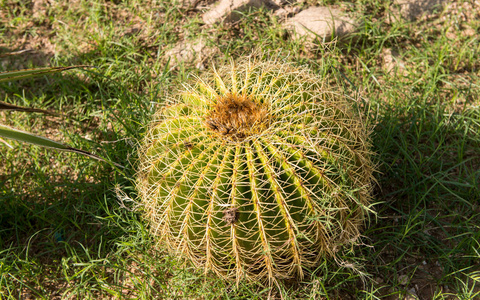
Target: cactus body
(259, 170)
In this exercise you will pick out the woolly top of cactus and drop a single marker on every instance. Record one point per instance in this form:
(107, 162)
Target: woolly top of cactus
(237, 116)
(259, 170)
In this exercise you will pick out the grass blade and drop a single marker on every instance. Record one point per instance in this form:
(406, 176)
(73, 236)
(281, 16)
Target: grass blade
(11, 107)
(28, 73)
(22, 136)
(7, 144)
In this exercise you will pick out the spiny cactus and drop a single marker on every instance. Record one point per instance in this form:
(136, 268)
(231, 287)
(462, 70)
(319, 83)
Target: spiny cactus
(259, 170)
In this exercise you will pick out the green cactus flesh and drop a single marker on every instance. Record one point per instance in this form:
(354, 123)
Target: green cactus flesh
(258, 170)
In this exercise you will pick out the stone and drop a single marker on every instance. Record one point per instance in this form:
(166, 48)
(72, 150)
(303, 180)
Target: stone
(392, 62)
(320, 22)
(411, 294)
(225, 10)
(403, 279)
(285, 12)
(411, 10)
(188, 51)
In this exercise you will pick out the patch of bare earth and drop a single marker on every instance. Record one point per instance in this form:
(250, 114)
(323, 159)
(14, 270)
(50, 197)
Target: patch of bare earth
(47, 28)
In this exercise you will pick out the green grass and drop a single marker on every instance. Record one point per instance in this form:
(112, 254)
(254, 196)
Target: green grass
(66, 231)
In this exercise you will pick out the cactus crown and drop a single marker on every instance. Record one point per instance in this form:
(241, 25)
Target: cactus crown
(259, 170)
(236, 117)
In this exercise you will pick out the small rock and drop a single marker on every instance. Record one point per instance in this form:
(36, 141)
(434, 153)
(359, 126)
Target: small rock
(190, 51)
(188, 3)
(391, 61)
(320, 22)
(287, 11)
(403, 279)
(411, 295)
(225, 10)
(379, 280)
(413, 9)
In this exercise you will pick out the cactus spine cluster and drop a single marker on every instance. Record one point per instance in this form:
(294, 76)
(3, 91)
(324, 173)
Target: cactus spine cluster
(259, 170)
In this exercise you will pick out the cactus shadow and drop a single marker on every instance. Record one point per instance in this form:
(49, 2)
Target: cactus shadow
(428, 189)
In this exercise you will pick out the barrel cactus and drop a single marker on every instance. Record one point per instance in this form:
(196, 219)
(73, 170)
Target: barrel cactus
(257, 170)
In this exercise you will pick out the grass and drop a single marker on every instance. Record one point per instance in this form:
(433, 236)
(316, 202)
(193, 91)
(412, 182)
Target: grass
(68, 226)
